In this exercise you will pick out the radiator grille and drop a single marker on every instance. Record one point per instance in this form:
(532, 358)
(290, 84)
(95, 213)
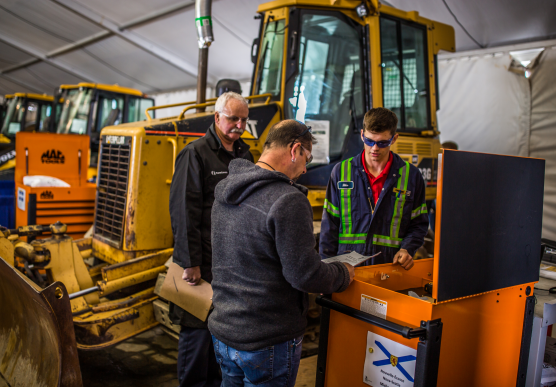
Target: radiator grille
(424, 149)
(112, 191)
(405, 148)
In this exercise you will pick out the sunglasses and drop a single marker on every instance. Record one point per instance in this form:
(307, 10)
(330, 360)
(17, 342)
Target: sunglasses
(309, 158)
(308, 130)
(234, 119)
(380, 144)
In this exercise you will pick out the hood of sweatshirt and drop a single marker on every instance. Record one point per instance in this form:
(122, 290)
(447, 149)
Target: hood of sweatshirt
(244, 178)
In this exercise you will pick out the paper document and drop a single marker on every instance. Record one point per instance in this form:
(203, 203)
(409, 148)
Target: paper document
(197, 299)
(352, 258)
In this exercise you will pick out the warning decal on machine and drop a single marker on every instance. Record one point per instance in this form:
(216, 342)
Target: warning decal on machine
(388, 363)
(21, 199)
(373, 306)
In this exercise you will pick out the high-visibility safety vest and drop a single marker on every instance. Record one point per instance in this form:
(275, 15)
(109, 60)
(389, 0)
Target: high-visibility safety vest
(400, 218)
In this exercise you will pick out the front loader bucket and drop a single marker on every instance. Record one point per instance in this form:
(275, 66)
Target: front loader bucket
(37, 341)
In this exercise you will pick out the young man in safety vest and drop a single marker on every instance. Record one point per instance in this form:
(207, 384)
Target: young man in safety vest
(375, 201)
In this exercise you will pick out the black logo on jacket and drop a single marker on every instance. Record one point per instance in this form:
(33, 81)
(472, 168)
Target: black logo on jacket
(53, 157)
(47, 195)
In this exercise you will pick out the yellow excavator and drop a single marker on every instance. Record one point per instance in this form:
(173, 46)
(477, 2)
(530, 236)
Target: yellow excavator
(325, 62)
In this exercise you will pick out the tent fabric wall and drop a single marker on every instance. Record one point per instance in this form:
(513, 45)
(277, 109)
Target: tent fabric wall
(542, 142)
(483, 106)
(486, 108)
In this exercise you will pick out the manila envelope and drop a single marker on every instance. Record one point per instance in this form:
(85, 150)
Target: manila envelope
(197, 299)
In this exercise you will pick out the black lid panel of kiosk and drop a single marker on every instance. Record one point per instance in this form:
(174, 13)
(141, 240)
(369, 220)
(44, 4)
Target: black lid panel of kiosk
(490, 223)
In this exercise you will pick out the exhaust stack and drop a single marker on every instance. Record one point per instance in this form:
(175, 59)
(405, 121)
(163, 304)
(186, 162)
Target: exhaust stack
(205, 37)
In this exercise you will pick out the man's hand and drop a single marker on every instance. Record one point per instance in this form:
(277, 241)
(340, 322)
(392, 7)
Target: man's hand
(192, 275)
(351, 271)
(404, 259)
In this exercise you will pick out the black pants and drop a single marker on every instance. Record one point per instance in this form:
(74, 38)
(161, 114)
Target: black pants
(197, 366)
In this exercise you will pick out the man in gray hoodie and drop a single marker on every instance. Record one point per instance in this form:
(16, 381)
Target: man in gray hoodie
(264, 262)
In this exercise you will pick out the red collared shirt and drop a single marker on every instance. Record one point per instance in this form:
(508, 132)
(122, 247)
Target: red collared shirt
(378, 182)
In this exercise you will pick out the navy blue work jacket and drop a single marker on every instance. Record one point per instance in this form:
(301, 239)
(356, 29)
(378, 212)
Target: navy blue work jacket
(399, 221)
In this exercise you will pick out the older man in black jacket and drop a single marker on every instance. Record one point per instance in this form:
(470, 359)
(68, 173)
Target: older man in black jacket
(199, 167)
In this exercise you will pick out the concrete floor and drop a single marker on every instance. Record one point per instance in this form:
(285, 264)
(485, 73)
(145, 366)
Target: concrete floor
(149, 360)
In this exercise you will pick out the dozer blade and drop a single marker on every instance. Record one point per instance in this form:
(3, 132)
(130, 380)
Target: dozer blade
(37, 340)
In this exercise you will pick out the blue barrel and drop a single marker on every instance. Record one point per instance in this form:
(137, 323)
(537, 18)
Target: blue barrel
(7, 203)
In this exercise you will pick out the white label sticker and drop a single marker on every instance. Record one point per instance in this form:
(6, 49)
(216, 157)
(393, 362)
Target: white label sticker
(118, 140)
(373, 306)
(321, 150)
(21, 199)
(388, 363)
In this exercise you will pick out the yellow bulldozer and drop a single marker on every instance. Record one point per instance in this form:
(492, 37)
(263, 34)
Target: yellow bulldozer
(321, 61)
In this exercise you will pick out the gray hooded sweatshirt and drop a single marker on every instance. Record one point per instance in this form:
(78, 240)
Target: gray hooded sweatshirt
(264, 260)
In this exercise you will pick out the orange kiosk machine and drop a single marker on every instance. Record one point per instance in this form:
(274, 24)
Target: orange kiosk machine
(462, 318)
(66, 158)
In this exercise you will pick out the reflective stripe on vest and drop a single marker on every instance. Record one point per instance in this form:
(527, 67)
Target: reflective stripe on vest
(353, 239)
(400, 201)
(345, 204)
(345, 197)
(418, 211)
(383, 240)
(329, 207)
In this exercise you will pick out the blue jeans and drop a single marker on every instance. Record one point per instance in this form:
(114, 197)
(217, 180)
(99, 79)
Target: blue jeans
(272, 366)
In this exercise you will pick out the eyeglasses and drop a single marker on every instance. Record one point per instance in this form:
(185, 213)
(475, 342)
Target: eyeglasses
(380, 144)
(308, 130)
(310, 157)
(235, 119)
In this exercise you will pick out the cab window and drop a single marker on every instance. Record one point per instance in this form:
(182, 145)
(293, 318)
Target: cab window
(270, 63)
(137, 107)
(404, 73)
(110, 111)
(45, 117)
(326, 92)
(30, 123)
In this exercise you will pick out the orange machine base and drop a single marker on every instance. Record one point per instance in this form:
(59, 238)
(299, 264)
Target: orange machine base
(481, 337)
(74, 206)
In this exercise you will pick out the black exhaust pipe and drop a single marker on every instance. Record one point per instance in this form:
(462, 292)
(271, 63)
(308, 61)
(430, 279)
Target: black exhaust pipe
(203, 21)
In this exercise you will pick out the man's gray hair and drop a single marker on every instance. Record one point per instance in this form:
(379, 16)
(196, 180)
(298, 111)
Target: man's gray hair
(224, 98)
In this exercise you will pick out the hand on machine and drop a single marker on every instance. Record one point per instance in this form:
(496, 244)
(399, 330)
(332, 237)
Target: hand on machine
(403, 258)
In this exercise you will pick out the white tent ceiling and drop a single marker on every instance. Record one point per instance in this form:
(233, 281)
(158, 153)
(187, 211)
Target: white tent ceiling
(151, 45)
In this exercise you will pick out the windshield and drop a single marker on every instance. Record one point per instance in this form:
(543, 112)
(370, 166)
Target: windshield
(3, 109)
(270, 65)
(405, 86)
(327, 91)
(75, 111)
(14, 116)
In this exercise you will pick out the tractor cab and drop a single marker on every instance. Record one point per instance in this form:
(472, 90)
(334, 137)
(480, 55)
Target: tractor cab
(27, 113)
(88, 107)
(327, 65)
(23, 113)
(4, 107)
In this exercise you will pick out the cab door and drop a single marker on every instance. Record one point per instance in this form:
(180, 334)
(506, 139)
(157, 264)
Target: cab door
(327, 85)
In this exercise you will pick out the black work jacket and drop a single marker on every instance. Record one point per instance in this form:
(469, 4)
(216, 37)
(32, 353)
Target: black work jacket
(199, 167)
